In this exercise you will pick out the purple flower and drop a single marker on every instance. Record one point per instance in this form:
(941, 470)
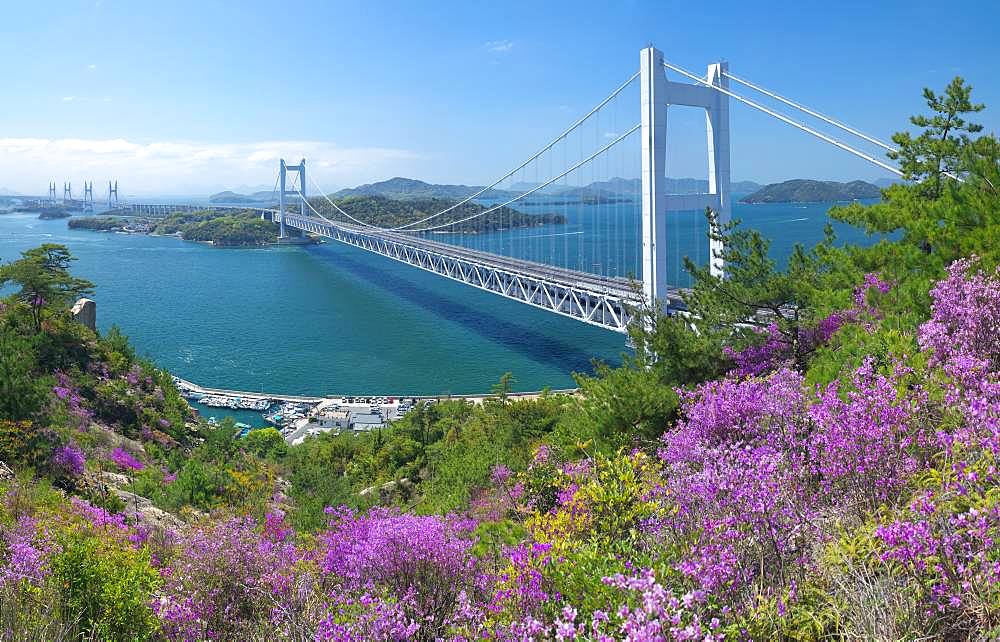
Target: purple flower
(126, 460)
(69, 459)
(500, 474)
(97, 516)
(26, 553)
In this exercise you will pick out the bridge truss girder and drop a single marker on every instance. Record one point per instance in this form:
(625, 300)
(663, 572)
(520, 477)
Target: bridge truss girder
(608, 309)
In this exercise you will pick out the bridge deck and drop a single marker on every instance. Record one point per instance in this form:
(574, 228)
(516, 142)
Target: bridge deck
(591, 298)
(607, 302)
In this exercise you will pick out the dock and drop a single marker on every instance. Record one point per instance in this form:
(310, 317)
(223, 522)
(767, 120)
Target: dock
(246, 394)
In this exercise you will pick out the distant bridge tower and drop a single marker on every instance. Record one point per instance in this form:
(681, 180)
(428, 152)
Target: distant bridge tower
(67, 192)
(112, 191)
(657, 93)
(52, 192)
(283, 191)
(88, 196)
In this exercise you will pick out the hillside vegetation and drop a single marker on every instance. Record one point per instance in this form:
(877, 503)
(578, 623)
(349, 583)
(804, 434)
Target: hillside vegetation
(811, 455)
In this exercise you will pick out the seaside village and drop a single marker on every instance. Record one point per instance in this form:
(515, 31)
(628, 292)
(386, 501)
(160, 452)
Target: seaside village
(300, 418)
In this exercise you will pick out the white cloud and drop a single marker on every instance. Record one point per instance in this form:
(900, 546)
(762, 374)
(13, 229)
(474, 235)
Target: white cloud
(68, 99)
(499, 46)
(186, 167)
(91, 67)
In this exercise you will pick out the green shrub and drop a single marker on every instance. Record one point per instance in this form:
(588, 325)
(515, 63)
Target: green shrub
(106, 589)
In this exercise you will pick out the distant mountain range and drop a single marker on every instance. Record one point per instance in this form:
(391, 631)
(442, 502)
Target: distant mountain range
(408, 188)
(240, 199)
(809, 191)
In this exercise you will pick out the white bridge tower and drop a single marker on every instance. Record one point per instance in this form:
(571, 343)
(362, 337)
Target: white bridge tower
(283, 191)
(657, 93)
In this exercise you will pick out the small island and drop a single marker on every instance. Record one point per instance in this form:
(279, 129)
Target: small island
(48, 211)
(810, 191)
(221, 229)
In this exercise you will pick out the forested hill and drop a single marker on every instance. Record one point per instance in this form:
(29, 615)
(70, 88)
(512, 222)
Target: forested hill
(809, 191)
(387, 212)
(411, 189)
(233, 197)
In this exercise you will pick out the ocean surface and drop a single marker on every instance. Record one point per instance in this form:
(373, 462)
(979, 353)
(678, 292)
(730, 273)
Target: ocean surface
(335, 319)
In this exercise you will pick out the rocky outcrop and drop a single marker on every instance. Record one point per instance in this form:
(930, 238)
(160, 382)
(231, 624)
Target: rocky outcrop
(85, 312)
(148, 514)
(402, 489)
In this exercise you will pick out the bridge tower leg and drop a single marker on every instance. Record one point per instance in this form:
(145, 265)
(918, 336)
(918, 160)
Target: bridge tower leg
(302, 187)
(281, 201)
(717, 124)
(657, 93)
(653, 94)
(52, 191)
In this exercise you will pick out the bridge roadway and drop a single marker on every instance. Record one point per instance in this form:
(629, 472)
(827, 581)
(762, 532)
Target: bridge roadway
(606, 302)
(602, 301)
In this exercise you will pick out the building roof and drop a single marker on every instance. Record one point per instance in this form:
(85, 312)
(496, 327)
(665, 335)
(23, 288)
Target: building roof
(332, 414)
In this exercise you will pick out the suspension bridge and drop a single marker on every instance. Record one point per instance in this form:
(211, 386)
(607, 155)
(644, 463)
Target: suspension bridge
(607, 254)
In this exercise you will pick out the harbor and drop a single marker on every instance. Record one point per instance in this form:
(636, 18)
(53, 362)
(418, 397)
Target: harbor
(298, 417)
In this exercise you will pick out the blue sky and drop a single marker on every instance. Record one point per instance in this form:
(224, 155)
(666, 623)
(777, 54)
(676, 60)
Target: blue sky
(186, 97)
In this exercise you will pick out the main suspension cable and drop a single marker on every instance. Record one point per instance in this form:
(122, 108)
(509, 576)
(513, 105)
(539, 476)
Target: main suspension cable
(529, 192)
(337, 207)
(525, 163)
(786, 119)
(812, 112)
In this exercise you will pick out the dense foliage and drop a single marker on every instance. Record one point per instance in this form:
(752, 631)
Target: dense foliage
(232, 231)
(96, 223)
(811, 453)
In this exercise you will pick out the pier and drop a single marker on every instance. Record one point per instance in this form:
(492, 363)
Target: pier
(245, 394)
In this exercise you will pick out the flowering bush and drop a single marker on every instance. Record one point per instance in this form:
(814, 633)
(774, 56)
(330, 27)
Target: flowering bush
(69, 460)
(774, 349)
(965, 316)
(227, 577)
(425, 560)
(25, 553)
(126, 460)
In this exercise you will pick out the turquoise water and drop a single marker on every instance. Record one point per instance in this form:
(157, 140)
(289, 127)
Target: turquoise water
(334, 319)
